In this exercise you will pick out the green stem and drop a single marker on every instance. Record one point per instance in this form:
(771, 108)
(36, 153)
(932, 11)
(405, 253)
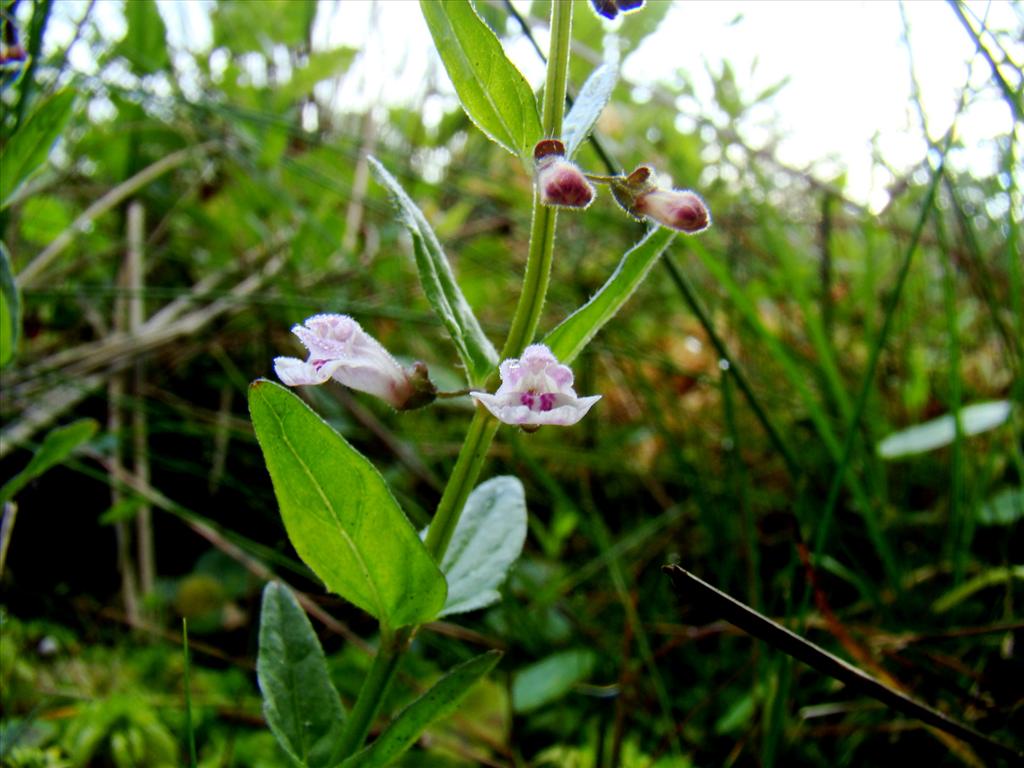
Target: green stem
(542, 227)
(531, 299)
(375, 687)
(463, 478)
(483, 427)
(558, 69)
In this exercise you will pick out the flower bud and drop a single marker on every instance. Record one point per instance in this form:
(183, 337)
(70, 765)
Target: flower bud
(676, 209)
(559, 182)
(679, 209)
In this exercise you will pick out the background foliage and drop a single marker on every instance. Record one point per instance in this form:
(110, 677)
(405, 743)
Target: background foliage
(199, 203)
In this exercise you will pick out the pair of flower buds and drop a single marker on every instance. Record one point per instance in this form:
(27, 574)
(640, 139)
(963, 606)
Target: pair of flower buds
(535, 389)
(560, 183)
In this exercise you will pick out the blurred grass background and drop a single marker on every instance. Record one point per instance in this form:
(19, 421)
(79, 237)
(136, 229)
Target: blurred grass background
(746, 388)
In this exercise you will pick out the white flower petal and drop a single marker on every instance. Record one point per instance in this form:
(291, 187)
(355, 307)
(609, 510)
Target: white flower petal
(294, 372)
(535, 390)
(340, 348)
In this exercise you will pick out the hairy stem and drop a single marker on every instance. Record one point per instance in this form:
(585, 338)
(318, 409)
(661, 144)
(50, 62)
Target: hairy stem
(483, 427)
(375, 687)
(531, 300)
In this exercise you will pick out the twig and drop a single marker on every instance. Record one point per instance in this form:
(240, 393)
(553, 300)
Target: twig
(135, 269)
(6, 530)
(688, 587)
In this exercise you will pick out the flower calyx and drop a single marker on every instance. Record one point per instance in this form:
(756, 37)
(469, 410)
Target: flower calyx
(536, 390)
(340, 349)
(559, 182)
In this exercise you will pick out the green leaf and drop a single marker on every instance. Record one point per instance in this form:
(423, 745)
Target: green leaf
(1005, 508)
(574, 333)
(440, 701)
(550, 679)
(319, 66)
(301, 705)
(990, 578)
(493, 92)
(56, 447)
(125, 509)
(30, 145)
(940, 432)
(145, 45)
(737, 715)
(477, 353)
(10, 312)
(339, 514)
(243, 26)
(488, 539)
(592, 98)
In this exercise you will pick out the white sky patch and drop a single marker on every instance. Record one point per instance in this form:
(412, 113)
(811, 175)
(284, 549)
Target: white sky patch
(849, 90)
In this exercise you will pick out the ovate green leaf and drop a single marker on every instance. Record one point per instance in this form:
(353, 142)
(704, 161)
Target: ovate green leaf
(56, 447)
(30, 145)
(440, 701)
(592, 98)
(10, 312)
(493, 92)
(443, 292)
(940, 432)
(1005, 508)
(301, 705)
(487, 540)
(339, 514)
(550, 679)
(574, 333)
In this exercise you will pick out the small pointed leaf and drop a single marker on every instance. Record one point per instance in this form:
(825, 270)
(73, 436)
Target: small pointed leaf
(590, 101)
(440, 701)
(443, 292)
(56, 447)
(574, 333)
(145, 45)
(30, 145)
(493, 92)
(339, 514)
(10, 314)
(301, 705)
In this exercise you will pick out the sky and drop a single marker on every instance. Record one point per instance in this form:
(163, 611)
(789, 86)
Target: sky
(848, 93)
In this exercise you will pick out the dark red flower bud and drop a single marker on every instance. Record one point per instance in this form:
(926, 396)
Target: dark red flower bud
(559, 182)
(677, 209)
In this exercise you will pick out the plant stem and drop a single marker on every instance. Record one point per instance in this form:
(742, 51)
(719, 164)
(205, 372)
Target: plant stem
(483, 427)
(460, 483)
(542, 227)
(375, 687)
(531, 299)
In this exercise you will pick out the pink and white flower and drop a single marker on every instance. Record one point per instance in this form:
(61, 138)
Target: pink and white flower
(340, 349)
(536, 390)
